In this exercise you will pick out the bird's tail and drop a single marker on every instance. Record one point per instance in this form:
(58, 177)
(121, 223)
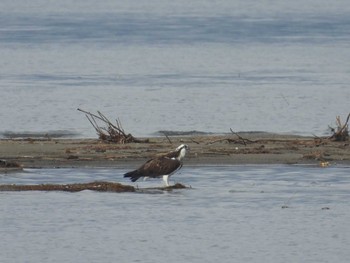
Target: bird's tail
(133, 175)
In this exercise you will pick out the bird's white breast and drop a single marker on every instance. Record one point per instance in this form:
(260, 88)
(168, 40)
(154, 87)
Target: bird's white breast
(182, 154)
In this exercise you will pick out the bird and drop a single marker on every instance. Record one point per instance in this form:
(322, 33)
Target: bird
(162, 166)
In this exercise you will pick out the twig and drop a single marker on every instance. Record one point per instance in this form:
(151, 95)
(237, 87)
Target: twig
(345, 126)
(166, 136)
(229, 141)
(194, 141)
(244, 140)
(240, 140)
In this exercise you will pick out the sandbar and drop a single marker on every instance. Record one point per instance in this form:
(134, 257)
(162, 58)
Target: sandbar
(205, 150)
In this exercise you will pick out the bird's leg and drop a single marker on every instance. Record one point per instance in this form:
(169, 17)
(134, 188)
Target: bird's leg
(166, 179)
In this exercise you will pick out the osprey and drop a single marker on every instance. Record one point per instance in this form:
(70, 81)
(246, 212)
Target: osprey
(163, 166)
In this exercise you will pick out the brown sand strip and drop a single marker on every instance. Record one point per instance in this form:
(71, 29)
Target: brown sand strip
(249, 148)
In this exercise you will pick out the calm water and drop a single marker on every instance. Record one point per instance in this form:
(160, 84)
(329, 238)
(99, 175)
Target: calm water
(232, 214)
(174, 65)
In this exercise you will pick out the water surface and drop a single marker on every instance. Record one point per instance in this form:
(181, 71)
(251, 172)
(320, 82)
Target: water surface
(165, 65)
(231, 214)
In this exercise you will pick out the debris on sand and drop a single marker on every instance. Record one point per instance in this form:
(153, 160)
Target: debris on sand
(93, 186)
(113, 132)
(341, 132)
(9, 166)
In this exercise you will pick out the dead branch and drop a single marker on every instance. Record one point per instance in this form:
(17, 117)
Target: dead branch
(341, 132)
(244, 140)
(112, 132)
(195, 141)
(166, 136)
(240, 139)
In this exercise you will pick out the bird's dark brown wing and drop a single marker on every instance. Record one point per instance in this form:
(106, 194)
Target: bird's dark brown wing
(172, 154)
(159, 166)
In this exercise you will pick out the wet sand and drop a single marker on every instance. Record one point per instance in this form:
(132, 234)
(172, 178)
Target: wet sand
(250, 148)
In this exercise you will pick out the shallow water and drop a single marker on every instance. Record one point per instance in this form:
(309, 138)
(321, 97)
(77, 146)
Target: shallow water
(231, 214)
(174, 65)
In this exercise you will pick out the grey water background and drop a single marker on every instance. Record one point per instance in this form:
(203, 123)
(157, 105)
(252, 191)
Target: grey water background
(174, 65)
(231, 214)
(272, 66)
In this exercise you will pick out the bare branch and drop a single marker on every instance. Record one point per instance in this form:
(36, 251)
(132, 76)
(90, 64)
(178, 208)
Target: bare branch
(244, 140)
(341, 133)
(111, 132)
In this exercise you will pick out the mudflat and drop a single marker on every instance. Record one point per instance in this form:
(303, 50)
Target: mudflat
(242, 148)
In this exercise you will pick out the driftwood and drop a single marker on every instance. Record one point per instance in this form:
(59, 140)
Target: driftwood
(341, 132)
(93, 186)
(240, 139)
(113, 132)
(9, 164)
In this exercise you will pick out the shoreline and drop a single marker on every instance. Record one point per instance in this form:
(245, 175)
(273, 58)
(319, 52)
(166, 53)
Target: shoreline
(241, 149)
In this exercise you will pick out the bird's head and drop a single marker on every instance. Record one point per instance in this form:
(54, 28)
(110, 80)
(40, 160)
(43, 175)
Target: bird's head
(183, 148)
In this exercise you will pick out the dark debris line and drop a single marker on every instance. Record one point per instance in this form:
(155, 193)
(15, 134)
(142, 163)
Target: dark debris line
(93, 186)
